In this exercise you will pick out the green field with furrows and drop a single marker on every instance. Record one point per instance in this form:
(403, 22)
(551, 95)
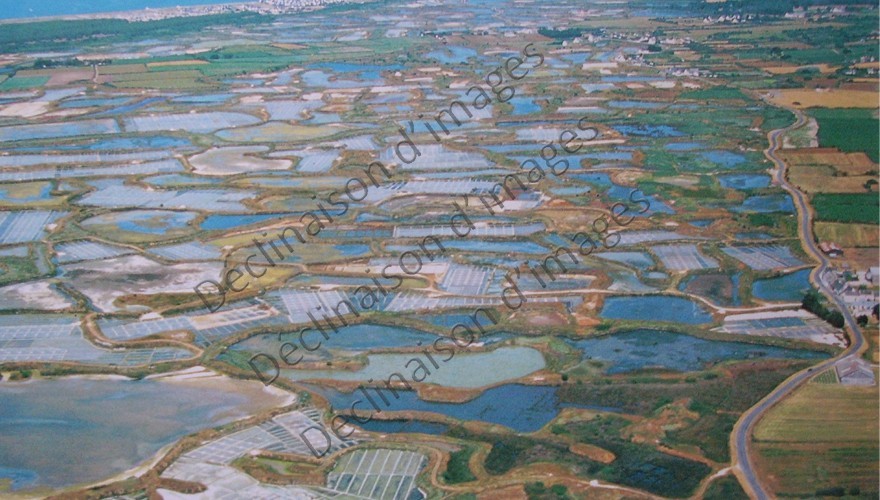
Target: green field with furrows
(23, 82)
(713, 93)
(850, 130)
(847, 207)
(805, 452)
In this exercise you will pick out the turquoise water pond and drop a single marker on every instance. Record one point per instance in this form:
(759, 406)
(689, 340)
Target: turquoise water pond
(641, 349)
(144, 221)
(523, 408)
(466, 370)
(220, 221)
(655, 308)
(744, 181)
(701, 222)
(726, 159)
(789, 287)
(116, 144)
(523, 106)
(766, 204)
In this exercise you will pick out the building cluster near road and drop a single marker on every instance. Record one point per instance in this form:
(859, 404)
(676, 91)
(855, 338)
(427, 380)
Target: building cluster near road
(858, 290)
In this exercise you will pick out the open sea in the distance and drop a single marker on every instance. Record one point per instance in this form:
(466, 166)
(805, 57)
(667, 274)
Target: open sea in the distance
(18, 9)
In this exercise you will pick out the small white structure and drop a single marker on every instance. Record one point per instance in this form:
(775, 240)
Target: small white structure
(855, 371)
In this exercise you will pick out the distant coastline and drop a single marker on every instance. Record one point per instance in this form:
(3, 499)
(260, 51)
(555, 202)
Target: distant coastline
(203, 8)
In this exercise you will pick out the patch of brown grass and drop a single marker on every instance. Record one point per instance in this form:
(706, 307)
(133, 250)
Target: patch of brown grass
(824, 98)
(592, 452)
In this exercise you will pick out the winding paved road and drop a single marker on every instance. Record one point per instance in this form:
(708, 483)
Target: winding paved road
(743, 431)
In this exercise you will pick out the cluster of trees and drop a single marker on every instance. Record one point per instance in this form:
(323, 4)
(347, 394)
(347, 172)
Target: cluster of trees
(458, 470)
(23, 374)
(813, 302)
(61, 63)
(838, 491)
(567, 33)
(538, 491)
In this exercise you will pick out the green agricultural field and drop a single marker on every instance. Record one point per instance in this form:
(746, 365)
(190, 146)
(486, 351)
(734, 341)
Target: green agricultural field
(847, 207)
(849, 130)
(802, 451)
(23, 82)
(169, 80)
(853, 418)
(714, 93)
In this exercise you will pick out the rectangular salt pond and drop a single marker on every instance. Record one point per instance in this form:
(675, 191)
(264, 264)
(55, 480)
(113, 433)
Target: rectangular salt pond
(636, 237)
(69, 172)
(202, 123)
(683, 257)
(763, 258)
(180, 179)
(114, 144)
(117, 196)
(492, 231)
(315, 161)
(23, 227)
(44, 159)
(59, 338)
(438, 157)
(57, 130)
(78, 251)
(525, 247)
(639, 260)
(289, 109)
(192, 250)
